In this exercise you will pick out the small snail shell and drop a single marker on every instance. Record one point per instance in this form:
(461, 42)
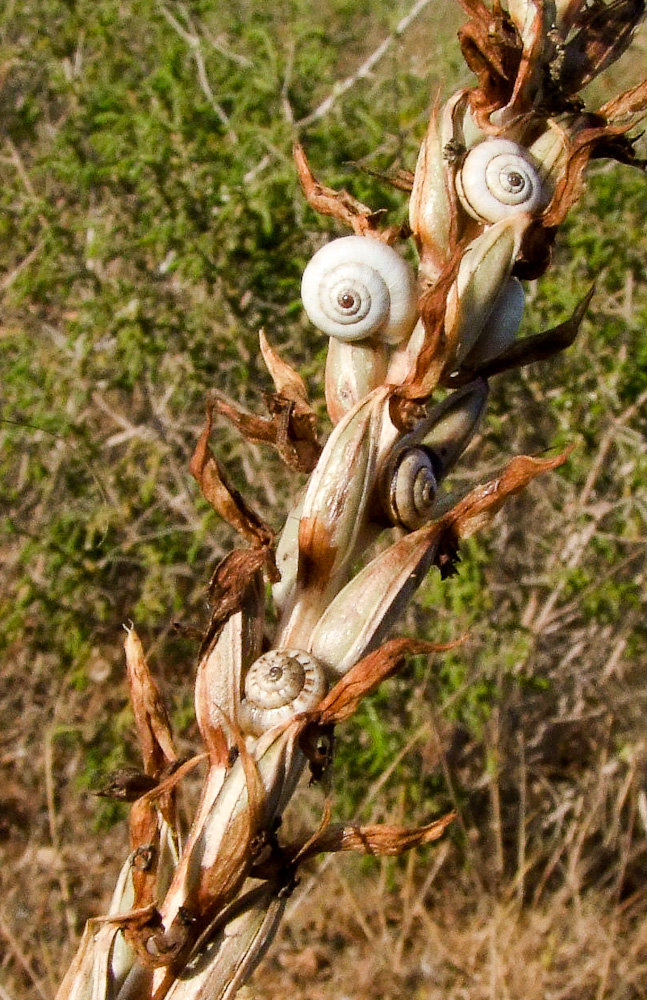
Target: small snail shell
(498, 178)
(279, 685)
(358, 287)
(412, 489)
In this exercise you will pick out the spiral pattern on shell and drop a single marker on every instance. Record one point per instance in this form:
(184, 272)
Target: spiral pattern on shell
(358, 287)
(412, 489)
(279, 685)
(498, 178)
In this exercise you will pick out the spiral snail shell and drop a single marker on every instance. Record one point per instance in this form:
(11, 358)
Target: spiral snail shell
(358, 287)
(412, 489)
(280, 684)
(498, 178)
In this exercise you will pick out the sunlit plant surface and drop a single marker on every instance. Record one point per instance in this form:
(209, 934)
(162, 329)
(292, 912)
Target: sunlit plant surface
(168, 213)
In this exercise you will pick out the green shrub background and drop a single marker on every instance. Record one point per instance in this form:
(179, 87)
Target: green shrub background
(150, 224)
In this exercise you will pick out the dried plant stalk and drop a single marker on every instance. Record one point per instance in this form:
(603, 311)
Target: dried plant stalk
(406, 386)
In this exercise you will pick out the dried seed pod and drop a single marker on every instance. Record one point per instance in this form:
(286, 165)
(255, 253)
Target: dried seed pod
(358, 287)
(497, 179)
(280, 684)
(412, 489)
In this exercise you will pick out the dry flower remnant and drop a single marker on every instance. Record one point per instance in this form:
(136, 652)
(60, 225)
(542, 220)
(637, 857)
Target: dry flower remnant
(409, 360)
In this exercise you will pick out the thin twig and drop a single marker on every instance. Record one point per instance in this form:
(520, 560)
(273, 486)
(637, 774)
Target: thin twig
(343, 86)
(54, 837)
(21, 958)
(366, 67)
(9, 279)
(195, 45)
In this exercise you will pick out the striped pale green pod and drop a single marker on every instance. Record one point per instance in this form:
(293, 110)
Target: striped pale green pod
(90, 977)
(287, 556)
(366, 608)
(501, 326)
(550, 149)
(484, 270)
(231, 949)
(334, 516)
(352, 371)
(222, 832)
(430, 210)
(104, 958)
(218, 685)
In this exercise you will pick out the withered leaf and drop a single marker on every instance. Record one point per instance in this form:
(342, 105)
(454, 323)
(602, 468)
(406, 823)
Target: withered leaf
(291, 428)
(492, 49)
(480, 504)
(220, 881)
(570, 185)
(223, 497)
(632, 102)
(363, 678)
(529, 350)
(234, 580)
(143, 824)
(341, 205)
(605, 32)
(127, 785)
(286, 379)
(173, 775)
(381, 839)
(151, 718)
(434, 354)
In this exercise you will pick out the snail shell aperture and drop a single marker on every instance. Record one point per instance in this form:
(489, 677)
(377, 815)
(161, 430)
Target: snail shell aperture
(498, 178)
(358, 287)
(412, 489)
(280, 684)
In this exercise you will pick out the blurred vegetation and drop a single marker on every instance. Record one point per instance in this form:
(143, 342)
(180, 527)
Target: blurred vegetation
(150, 223)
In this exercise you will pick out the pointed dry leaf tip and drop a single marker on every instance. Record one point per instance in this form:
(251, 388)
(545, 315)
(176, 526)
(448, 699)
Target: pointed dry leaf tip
(381, 840)
(151, 718)
(480, 504)
(366, 675)
(224, 499)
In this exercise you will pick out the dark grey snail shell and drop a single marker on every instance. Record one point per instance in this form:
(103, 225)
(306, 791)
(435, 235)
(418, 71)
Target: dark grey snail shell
(412, 489)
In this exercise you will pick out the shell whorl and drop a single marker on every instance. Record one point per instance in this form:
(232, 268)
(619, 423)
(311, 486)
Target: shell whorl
(357, 287)
(412, 489)
(280, 684)
(498, 178)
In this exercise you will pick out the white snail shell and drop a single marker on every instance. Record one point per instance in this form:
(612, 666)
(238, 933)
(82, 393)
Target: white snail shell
(358, 287)
(498, 178)
(412, 489)
(280, 684)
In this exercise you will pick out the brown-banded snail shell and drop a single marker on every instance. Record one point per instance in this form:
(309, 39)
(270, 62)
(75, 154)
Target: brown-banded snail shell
(279, 685)
(357, 287)
(412, 489)
(498, 179)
